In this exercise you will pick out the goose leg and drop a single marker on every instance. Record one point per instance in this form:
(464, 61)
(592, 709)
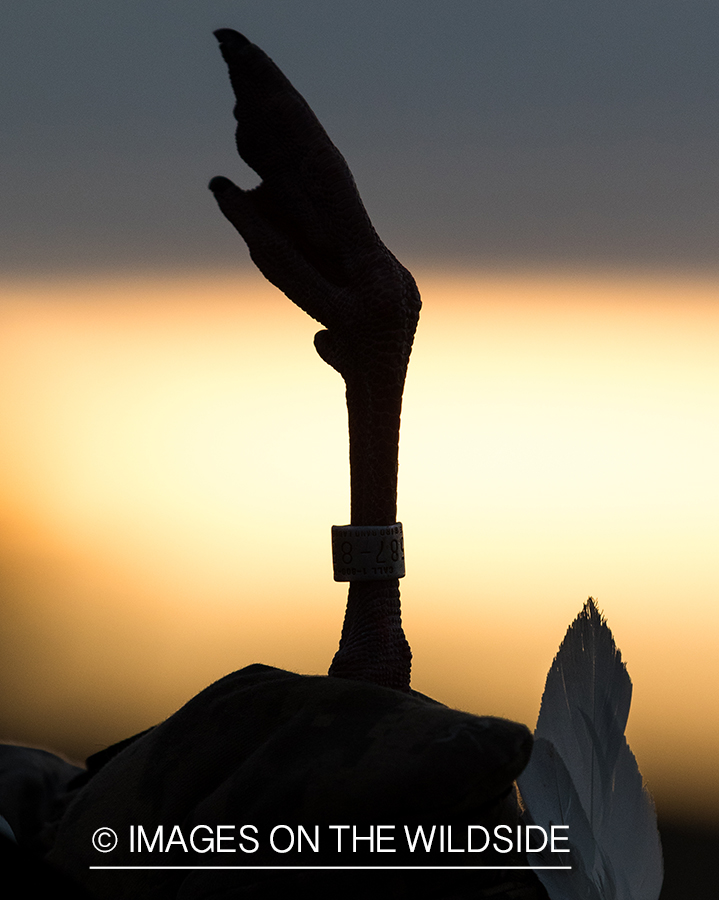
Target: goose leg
(309, 234)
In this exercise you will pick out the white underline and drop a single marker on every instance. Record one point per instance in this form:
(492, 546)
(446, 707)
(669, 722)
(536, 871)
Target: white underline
(335, 868)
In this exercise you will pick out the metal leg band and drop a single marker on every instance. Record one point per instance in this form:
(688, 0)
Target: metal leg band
(367, 552)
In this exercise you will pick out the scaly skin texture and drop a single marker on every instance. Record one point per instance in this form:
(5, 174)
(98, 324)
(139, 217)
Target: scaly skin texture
(309, 234)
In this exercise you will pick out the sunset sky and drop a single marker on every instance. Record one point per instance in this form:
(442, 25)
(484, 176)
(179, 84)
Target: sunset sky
(173, 452)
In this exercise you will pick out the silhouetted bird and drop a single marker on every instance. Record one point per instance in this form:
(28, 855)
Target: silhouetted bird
(264, 747)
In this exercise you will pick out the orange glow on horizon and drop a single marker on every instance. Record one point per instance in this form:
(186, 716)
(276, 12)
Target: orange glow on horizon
(173, 453)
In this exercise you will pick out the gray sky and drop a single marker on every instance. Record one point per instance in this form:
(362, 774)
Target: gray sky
(479, 131)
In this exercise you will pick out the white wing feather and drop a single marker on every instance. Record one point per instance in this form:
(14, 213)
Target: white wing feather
(582, 774)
